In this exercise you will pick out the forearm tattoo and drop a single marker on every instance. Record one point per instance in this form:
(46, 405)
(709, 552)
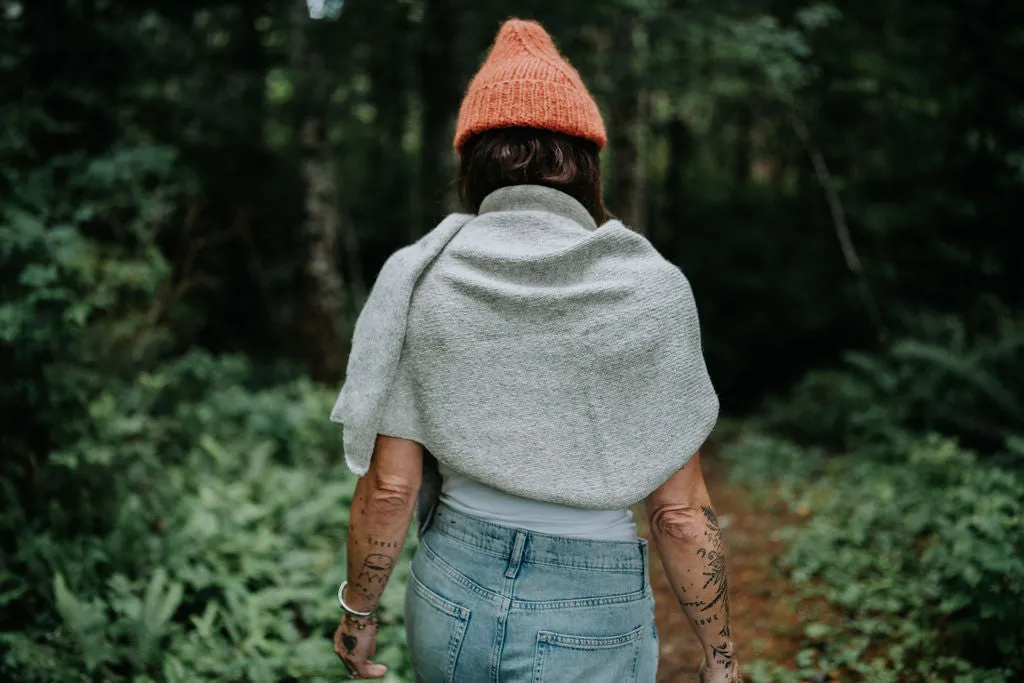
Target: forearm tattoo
(373, 575)
(715, 556)
(372, 553)
(704, 595)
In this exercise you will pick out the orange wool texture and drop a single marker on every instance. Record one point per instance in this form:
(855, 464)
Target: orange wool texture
(526, 82)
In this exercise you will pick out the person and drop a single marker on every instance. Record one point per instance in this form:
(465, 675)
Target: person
(522, 375)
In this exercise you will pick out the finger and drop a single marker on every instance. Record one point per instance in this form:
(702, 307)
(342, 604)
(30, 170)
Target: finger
(371, 670)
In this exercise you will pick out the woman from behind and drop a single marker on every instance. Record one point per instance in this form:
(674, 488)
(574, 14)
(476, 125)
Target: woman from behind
(525, 373)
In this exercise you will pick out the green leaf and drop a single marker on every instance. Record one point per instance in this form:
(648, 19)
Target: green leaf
(86, 623)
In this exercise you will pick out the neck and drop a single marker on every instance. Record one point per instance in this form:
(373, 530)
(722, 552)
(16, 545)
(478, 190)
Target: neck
(538, 198)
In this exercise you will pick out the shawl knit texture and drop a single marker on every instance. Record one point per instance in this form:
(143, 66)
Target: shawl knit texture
(531, 350)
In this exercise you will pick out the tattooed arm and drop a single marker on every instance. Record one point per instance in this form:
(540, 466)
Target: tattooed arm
(686, 532)
(382, 508)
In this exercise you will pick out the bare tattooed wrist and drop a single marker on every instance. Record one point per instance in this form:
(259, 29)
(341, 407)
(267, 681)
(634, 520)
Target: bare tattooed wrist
(353, 624)
(377, 530)
(366, 587)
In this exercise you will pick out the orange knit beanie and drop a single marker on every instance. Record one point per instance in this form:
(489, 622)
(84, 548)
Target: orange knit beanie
(526, 82)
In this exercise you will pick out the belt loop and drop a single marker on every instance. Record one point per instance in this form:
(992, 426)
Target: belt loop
(517, 555)
(426, 519)
(645, 561)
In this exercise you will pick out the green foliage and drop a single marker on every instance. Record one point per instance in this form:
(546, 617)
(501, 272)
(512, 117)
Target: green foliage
(161, 520)
(82, 271)
(938, 381)
(920, 544)
(217, 552)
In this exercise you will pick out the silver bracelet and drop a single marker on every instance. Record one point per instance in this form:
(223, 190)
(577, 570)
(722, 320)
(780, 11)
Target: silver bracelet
(348, 610)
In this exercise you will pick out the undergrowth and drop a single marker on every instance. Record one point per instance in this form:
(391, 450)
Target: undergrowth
(919, 546)
(206, 541)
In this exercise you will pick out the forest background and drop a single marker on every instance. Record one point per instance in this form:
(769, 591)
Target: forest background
(196, 195)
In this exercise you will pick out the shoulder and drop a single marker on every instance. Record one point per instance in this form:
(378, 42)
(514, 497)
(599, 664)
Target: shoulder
(653, 273)
(409, 257)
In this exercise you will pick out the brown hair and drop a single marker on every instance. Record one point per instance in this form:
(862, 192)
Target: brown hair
(530, 156)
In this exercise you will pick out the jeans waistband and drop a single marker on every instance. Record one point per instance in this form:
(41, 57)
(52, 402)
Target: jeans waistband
(531, 547)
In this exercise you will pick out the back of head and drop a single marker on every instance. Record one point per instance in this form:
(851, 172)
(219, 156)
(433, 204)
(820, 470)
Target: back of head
(527, 118)
(529, 156)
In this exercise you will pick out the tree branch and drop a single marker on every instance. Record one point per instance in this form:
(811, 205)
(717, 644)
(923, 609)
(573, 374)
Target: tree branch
(842, 230)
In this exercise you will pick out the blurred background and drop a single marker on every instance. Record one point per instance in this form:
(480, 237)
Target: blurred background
(196, 197)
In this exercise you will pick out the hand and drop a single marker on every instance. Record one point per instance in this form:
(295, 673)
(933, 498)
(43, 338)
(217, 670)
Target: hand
(719, 675)
(354, 644)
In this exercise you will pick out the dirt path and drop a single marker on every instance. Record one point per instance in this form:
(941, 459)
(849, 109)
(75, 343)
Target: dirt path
(768, 618)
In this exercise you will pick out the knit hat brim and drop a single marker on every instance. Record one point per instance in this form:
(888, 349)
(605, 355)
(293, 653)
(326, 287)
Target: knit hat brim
(525, 82)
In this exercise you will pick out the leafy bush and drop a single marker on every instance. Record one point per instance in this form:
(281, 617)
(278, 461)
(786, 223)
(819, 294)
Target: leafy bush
(167, 521)
(941, 380)
(79, 304)
(921, 545)
(217, 517)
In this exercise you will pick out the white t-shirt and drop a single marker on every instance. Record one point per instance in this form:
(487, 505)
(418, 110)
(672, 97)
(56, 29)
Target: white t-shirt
(489, 504)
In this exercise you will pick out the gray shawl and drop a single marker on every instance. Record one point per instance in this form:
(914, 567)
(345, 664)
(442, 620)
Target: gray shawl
(530, 350)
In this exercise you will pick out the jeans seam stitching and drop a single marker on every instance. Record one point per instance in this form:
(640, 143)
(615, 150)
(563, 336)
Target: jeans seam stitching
(470, 545)
(443, 604)
(541, 563)
(610, 570)
(542, 605)
(458, 577)
(590, 642)
(454, 647)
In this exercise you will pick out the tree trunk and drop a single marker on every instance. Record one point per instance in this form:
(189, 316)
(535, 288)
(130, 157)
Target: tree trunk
(391, 68)
(680, 148)
(626, 124)
(322, 289)
(742, 147)
(439, 95)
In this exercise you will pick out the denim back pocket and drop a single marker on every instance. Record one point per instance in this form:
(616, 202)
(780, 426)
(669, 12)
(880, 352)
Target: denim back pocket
(436, 628)
(602, 659)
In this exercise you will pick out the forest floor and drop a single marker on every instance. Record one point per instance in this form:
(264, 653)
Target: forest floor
(768, 613)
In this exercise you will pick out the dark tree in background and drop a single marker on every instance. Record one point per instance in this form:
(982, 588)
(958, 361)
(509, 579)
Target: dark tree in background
(626, 120)
(321, 279)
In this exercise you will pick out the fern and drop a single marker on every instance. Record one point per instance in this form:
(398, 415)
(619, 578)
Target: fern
(965, 368)
(86, 623)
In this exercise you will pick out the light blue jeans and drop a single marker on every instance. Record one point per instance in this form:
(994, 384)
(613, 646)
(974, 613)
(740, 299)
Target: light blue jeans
(493, 604)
